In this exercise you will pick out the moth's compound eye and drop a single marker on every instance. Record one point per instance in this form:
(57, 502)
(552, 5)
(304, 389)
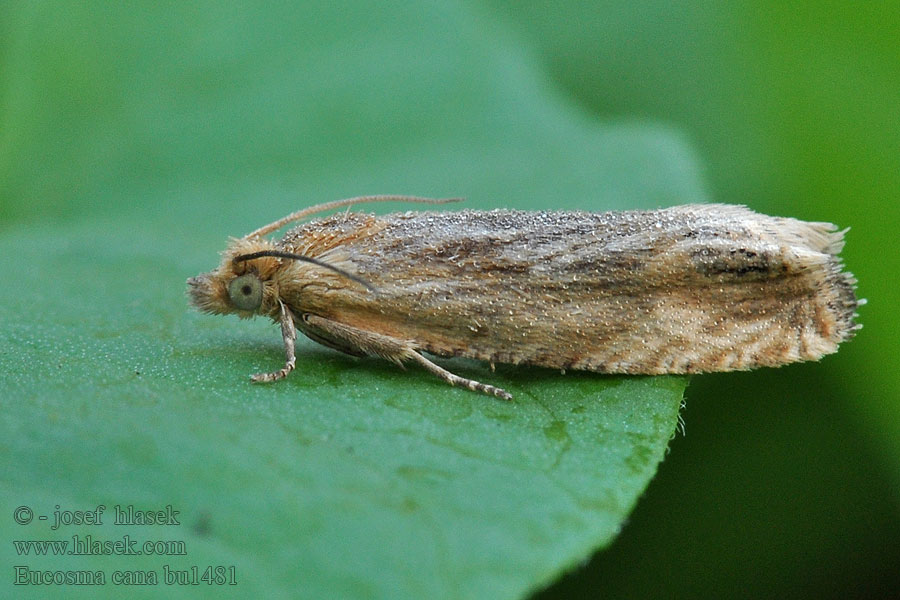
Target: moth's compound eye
(246, 292)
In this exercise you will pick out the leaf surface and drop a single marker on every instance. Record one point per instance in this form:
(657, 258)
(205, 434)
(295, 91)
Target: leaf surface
(133, 152)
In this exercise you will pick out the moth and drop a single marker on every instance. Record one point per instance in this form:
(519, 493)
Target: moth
(688, 289)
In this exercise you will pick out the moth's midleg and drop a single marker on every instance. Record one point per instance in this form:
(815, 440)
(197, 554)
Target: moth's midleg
(398, 351)
(288, 334)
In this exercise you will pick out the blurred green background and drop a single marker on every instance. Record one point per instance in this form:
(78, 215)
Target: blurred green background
(787, 481)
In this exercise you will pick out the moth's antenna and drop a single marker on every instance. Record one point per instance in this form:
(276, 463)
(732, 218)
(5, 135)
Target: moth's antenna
(319, 263)
(296, 216)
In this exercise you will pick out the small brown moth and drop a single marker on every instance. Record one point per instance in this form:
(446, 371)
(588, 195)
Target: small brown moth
(686, 289)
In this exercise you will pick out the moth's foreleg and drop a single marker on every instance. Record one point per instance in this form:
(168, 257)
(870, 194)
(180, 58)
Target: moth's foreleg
(289, 334)
(395, 350)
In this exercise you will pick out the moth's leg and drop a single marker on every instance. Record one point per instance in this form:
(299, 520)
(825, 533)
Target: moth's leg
(475, 386)
(289, 334)
(321, 336)
(396, 351)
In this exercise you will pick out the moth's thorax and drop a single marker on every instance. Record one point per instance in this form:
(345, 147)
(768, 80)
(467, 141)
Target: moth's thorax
(321, 237)
(337, 241)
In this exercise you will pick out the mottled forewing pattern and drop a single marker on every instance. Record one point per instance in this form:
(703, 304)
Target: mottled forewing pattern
(681, 290)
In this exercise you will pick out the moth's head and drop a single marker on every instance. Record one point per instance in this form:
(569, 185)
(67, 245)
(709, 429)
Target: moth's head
(244, 287)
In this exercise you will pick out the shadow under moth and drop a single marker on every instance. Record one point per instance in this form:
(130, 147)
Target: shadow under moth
(687, 289)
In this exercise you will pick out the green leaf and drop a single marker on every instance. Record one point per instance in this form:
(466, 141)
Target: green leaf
(134, 143)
